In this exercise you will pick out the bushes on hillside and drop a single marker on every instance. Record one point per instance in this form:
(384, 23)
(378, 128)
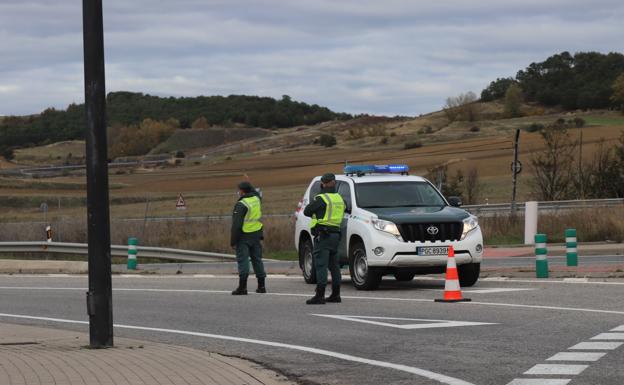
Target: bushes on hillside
(327, 140)
(414, 144)
(139, 139)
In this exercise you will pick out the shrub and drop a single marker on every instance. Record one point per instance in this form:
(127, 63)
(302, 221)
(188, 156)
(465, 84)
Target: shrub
(414, 144)
(179, 154)
(475, 129)
(534, 127)
(579, 122)
(7, 153)
(384, 140)
(327, 140)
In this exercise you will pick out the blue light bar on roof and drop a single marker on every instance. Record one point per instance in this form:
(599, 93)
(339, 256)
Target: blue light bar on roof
(377, 169)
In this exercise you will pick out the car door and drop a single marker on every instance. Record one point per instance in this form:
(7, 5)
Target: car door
(344, 189)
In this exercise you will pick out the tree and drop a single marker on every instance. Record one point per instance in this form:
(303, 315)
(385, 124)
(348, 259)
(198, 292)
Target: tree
(553, 168)
(472, 186)
(496, 89)
(513, 101)
(618, 92)
(462, 107)
(327, 140)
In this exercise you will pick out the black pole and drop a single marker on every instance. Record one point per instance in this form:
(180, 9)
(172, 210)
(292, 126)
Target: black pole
(514, 172)
(99, 297)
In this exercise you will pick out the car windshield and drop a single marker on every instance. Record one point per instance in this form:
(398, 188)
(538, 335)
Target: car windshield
(397, 194)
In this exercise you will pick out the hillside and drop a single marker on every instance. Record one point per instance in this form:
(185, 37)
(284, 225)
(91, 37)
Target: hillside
(126, 108)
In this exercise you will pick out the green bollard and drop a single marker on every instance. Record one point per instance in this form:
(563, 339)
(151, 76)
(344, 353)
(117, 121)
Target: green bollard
(132, 253)
(571, 251)
(541, 261)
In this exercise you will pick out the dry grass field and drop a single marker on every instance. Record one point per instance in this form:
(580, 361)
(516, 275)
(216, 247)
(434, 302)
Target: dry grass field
(282, 164)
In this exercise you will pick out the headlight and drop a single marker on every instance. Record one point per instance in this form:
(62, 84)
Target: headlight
(470, 224)
(386, 227)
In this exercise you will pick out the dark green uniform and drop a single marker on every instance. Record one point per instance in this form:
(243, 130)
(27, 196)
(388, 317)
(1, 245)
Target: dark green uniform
(326, 212)
(246, 236)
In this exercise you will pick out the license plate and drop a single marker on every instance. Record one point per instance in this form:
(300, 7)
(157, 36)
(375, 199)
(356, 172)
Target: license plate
(426, 251)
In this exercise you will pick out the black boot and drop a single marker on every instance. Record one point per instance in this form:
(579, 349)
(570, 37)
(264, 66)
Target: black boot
(319, 297)
(335, 295)
(261, 288)
(242, 287)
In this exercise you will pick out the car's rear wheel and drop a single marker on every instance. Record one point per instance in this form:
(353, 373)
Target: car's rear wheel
(307, 261)
(404, 276)
(363, 276)
(468, 274)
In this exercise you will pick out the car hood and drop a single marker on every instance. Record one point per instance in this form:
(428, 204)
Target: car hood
(420, 214)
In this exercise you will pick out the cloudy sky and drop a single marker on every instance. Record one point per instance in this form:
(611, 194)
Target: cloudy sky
(359, 56)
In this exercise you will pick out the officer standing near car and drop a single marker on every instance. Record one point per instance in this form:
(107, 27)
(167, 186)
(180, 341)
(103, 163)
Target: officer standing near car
(327, 211)
(246, 237)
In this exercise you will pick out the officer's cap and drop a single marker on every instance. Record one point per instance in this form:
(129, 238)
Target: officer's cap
(245, 186)
(326, 178)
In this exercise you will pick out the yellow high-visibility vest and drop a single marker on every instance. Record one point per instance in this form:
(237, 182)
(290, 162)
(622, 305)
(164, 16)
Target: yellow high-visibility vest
(334, 211)
(254, 213)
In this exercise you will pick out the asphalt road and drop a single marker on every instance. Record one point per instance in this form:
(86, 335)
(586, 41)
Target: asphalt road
(390, 336)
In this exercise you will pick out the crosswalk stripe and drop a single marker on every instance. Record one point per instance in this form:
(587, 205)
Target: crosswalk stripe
(539, 381)
(609, 336)
(597, 346)
(556, 369)
(576, 356)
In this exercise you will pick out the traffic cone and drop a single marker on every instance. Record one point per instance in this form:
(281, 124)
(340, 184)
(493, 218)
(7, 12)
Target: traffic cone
(452, 290)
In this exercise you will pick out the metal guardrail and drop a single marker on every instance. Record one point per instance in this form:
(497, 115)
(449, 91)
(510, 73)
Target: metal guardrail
(116, 250)
(546, 205)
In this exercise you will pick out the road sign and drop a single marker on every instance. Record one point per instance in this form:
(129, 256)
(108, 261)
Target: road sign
(180, 204)
(516, 167)
(404, 323)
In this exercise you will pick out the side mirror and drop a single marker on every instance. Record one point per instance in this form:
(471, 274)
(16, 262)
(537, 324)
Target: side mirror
(454, 201)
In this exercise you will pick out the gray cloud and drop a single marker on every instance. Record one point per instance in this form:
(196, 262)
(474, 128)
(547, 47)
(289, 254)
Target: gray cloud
(390, 57)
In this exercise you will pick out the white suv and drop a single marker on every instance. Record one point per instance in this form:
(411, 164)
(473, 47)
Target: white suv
(394, 224)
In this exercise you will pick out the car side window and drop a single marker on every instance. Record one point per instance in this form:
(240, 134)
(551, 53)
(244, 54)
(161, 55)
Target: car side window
(314, 190)
(345, 192)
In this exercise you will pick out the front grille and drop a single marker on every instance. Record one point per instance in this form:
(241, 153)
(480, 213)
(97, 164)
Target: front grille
(417, 232)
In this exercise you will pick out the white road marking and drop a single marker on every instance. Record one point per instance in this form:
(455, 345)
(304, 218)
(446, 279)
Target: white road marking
(576, 280)
(485, 291)
(58, 275)
(365, 298)
(542, 280)
(577, 356)
(346, 357)
(539, 381)
(422, 323)
(618, 329)
(609, 336)
(556, 369)
(597, 346)
(495, 279)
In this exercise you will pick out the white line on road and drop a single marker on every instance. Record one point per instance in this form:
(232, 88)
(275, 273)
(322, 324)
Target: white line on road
(365, 298)
(539, 381)
(577, 356)
(618, 329)
(609, 336)
(421, 323)
(346, 357)
(597, 346)
(556, 369)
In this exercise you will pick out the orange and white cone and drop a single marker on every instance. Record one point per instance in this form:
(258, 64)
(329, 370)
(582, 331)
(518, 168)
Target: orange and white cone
(452, 290)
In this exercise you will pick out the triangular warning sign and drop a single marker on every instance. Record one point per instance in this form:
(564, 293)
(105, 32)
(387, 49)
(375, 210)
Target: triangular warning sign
(180, 204)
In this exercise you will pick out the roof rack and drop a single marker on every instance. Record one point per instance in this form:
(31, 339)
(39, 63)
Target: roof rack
(361, 170)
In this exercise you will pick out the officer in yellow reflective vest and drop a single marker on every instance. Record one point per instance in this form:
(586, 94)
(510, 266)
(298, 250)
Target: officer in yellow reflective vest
(246, 236)
(327, 211)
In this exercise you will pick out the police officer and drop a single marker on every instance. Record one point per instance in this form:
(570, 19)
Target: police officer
(326, 210)
(246, 236)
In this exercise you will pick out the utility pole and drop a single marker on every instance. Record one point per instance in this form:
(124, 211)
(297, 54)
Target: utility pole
(99, 296)
(516, 168)
(580, 165)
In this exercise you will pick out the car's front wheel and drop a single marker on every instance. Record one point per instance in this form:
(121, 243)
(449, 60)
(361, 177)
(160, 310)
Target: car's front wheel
(307, 261)
(468, 274)
(363, 276)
